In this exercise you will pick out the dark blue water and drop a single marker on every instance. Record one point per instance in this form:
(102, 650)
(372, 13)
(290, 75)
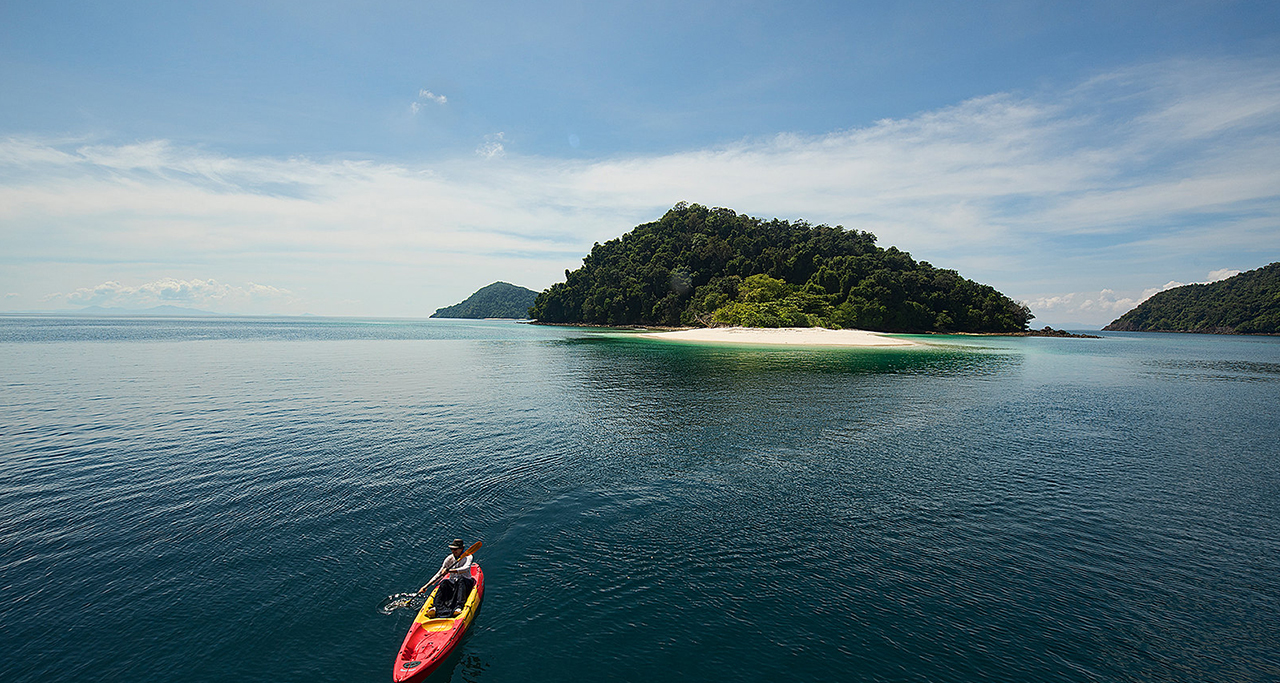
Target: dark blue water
(231, 499)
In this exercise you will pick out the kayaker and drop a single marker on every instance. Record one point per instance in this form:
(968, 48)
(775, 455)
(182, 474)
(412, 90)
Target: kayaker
(457, 583)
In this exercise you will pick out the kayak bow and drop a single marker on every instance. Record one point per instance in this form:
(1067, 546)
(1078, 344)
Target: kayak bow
(430, 641)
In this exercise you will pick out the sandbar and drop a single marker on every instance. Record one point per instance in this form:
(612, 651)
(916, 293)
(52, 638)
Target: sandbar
(786, 336)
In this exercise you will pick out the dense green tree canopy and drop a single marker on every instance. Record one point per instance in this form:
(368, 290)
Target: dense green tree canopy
(1245, 304)
(498, 300)
(704, 266)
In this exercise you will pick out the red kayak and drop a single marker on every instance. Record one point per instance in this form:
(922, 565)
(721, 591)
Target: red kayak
(430, 641)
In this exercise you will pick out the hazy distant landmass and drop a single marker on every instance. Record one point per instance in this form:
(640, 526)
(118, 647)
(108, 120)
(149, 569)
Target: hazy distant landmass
(498, 300)
(1248, 303)
(704, 266)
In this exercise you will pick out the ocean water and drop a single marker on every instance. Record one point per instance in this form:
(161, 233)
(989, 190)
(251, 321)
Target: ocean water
(231, 499)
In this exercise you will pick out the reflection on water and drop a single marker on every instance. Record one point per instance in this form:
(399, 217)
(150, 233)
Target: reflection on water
(697, 360)
(470, 669)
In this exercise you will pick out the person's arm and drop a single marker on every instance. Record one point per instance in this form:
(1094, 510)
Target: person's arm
(444, 569)
(427, 585)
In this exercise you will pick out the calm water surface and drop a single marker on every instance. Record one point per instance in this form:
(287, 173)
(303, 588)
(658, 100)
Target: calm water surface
(230, 500)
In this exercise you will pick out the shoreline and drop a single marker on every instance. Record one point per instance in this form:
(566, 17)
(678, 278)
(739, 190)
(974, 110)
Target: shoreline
(781, 336)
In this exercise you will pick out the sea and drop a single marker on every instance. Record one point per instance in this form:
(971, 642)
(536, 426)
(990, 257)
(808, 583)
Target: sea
(232, 499)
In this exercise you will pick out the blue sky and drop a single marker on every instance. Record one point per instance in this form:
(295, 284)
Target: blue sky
(335, 158)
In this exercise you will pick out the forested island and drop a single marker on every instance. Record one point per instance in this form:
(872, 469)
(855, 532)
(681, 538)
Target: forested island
(700, 266)
(1248, 303)
(498, 300)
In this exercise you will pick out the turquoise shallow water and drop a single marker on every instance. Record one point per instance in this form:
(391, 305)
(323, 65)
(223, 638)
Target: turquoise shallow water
(230, 499)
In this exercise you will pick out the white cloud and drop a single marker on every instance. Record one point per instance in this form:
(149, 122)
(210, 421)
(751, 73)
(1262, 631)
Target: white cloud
(1093, 308)
(493, 146)
(1094, 191)
(1087, 305)
(432, 97)
(425, 96)
(173, 291)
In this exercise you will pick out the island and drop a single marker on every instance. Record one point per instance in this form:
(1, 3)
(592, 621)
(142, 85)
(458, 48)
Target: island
(1050, 332)
(713, 267)
(1248, 303)
(498, 300)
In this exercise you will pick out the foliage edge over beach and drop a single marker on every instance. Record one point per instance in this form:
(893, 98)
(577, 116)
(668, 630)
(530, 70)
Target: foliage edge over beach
(713, 266)
(1248, 303)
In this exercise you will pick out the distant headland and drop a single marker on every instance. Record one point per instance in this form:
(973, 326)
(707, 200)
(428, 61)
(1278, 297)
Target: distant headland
(498, 300)
(1248, 303)
(705, 267)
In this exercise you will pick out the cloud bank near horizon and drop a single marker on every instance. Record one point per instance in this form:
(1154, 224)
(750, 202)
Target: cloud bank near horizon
(1107, 303)
(1110, 187)
(175, 292)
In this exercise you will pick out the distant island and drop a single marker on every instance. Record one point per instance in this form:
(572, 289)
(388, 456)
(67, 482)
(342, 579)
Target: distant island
(1248, 303)
(701, 267)
(498, 300)
(1050, 332)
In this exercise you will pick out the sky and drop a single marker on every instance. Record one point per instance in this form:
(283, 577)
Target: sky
(388, 159)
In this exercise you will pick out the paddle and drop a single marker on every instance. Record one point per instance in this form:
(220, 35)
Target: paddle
(472, 550)
(399, 600)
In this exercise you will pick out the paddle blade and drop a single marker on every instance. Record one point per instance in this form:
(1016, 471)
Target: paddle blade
(401, 601)
(472, 549)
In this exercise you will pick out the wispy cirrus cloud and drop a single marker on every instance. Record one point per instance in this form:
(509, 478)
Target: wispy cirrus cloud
(493, 146)
(432, 97)
(1108, 186)
(426, 96)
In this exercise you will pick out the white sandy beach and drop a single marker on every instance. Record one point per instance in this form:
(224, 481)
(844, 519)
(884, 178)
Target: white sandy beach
(789, 336)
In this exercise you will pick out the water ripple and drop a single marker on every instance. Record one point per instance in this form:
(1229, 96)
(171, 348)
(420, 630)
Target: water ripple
(232, 500)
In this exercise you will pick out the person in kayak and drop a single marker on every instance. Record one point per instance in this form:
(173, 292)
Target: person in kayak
(457, 583)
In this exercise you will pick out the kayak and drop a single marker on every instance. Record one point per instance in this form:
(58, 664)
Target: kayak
(430, 641)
